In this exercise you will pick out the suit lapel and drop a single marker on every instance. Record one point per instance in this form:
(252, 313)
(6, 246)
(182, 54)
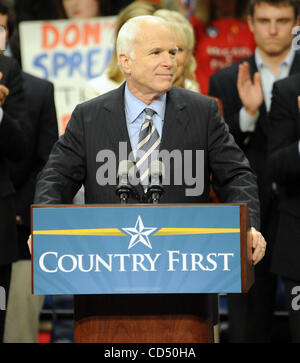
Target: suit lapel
(176, 119)
(116, 121)
(296, 64)
(175, 123)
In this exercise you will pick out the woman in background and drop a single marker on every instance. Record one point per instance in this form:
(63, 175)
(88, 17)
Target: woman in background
(185, 41)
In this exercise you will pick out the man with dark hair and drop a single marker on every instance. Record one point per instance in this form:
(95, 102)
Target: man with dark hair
(245, 89)
(22, 316)
(14, 145)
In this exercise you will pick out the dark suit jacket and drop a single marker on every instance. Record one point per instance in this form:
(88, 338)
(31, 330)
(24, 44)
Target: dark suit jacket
(285, 167)
(39, 96)
(192, 122)
(14, 145)
(223, 85)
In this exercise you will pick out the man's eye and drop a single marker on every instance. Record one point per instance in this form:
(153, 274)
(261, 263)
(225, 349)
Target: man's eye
(263, 21)
(283, 21)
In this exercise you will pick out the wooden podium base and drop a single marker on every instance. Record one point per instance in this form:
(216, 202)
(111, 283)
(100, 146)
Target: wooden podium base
(188, 320)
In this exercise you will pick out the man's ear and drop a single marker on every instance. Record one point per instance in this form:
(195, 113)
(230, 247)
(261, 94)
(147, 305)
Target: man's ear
(125, 63)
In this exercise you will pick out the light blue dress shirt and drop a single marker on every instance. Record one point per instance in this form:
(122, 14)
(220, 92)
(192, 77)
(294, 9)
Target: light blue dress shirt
(135, 116)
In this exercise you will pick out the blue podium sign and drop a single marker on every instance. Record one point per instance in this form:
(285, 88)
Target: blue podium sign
(136, 249)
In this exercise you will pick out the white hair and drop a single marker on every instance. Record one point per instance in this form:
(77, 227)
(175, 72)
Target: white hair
(128, 33)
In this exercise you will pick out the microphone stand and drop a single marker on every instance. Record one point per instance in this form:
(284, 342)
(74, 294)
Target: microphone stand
(156, 190)
(125, 191)
(154, 193)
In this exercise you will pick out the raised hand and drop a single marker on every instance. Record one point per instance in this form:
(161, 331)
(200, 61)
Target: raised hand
(250, 92)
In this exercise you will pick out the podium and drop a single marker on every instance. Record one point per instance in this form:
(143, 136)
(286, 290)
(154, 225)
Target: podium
(142, 273)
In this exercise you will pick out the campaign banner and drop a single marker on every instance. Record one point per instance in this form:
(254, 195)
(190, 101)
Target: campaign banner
(136, 249)
(68, 53)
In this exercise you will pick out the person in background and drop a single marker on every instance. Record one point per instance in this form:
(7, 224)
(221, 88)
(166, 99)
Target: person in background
(284, 159)
(186, 64)
(245, 90)
(80, 9)
(113, 76)
(222, 35)
(15, 136)
(23, 309)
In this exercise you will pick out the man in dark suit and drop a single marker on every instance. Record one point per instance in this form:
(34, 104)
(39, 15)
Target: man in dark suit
(181, 120)
(245, 91)
(284, 146)
(14, 145)
(24, 308)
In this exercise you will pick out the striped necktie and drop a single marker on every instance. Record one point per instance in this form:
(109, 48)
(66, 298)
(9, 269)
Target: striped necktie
(147, 149)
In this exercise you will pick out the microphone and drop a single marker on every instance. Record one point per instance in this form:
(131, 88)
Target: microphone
(125, 189)
(157, 174)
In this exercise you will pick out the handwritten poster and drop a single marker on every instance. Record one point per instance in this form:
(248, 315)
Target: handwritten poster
(68, 53)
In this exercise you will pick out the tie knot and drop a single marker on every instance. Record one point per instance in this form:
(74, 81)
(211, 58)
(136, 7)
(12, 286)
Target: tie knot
(149, 113)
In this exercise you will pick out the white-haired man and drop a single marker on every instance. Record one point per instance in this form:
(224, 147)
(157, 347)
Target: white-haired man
(181, 120)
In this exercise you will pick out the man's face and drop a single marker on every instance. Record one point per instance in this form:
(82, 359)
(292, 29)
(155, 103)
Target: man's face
(272, 27)
(152, 70)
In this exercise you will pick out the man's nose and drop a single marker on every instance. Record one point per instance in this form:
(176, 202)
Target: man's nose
(273, 28)
(169, 60)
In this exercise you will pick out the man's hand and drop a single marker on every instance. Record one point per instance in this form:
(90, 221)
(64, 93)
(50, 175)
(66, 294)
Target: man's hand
(250, 93)
(258, 245)
(299, 103)
(4, 92)
(29, 243)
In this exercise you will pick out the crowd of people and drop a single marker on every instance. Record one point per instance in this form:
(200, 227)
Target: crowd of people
(239, 53)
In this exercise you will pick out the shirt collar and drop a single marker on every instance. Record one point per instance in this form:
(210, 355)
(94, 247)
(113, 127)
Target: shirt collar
(134, 107)
(287, 61)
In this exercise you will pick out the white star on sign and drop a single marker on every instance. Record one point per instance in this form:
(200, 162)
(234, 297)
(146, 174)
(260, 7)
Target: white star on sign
(139, 234)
